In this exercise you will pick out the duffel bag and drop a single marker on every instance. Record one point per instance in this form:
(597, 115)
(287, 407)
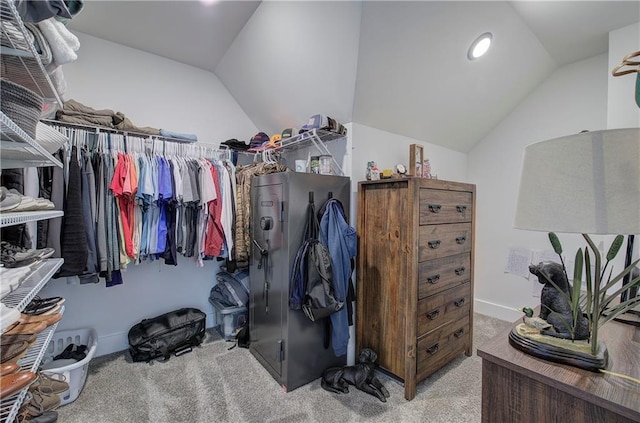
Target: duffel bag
(175, 332)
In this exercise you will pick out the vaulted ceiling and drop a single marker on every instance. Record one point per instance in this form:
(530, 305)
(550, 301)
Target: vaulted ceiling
(394, 65)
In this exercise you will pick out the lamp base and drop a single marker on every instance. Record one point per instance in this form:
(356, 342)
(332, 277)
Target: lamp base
(572, 353)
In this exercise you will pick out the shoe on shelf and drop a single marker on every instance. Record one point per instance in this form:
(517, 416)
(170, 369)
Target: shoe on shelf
(49, 383)
(11, 353)
(14, 382)
(28, 203)
(36, 403)
(26, 328)
(48, 319)
(43, 306)
(18, 339)
(50, 416)
(18, 256)
(8, 368)
(9, 200)
(11, 263)
(45, 309)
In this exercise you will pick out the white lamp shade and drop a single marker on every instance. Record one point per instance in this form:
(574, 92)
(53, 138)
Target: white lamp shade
(584, 183)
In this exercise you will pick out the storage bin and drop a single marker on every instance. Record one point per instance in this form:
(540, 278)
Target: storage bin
(75, 374)
(21, 105)
(229, 319)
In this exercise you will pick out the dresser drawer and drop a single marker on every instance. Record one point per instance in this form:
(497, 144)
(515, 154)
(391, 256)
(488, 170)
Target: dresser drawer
(435, 241)
(440, 206)
(440, 346)
(441, 274)
(448, 306)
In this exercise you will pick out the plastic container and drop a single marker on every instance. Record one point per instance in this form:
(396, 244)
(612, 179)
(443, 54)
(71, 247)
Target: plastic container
(325, 164)
(229, 319)
(74, 374)
(314, 164)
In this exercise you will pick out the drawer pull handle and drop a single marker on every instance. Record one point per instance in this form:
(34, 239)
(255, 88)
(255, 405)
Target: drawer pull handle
(458, 333)
(461, 209)
(434, 278)
(434, 244)
(433, 349)
(433, 314)
(460, 270)
(435, 208)
(461, 239)
(459, 302)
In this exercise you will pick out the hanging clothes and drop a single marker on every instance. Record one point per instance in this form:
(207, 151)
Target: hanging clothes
(341, 241)
(73, 243)
(135, 204)
(243, 207)
(90, 275)
(215, 232)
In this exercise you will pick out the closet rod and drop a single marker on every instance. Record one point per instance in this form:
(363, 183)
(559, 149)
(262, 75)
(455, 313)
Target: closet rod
(119, 131)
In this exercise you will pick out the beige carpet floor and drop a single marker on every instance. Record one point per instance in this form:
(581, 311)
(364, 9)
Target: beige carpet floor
(214, 384)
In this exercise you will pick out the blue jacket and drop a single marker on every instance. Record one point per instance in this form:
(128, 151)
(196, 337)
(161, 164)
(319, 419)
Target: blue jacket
(341, 241)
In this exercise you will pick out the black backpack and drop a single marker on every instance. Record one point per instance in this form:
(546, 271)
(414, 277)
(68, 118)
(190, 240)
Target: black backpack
(311, 284)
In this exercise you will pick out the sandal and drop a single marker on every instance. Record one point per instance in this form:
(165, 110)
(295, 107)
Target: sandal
(43, 306)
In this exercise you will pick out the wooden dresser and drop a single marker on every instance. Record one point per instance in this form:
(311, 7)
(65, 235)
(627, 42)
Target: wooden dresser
(415, 274)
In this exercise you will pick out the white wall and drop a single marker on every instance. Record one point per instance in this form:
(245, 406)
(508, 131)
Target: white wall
(154, 91)
(151, 91)
(572, 99)
(622, 110)
(388, 149)
(295, 53)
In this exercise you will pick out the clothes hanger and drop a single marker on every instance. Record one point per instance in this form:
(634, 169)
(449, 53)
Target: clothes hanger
(635, 65)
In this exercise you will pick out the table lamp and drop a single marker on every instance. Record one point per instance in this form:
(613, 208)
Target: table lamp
(587, 183)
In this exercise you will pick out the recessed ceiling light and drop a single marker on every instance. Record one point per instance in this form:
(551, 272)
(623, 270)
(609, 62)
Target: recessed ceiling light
(480, 46)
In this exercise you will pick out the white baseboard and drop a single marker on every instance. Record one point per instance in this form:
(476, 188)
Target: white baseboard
(496, 310)
(115, 342)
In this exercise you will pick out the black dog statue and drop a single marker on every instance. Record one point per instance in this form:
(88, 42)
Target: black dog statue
(554, 307)
(361, 375)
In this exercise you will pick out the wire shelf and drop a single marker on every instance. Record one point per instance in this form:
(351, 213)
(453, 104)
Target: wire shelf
(20, 61)
(10, 406)
(19, 149)
(29, 288)
(317, 138)
(15, 218)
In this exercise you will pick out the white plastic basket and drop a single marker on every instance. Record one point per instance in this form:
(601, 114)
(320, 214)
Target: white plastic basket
(75, 374)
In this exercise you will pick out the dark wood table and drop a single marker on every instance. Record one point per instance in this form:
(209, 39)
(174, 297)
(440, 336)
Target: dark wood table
(520, 388)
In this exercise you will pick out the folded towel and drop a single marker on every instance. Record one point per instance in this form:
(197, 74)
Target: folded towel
(41, 44)
(72, 41)
(60, 49)
(179, 136)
